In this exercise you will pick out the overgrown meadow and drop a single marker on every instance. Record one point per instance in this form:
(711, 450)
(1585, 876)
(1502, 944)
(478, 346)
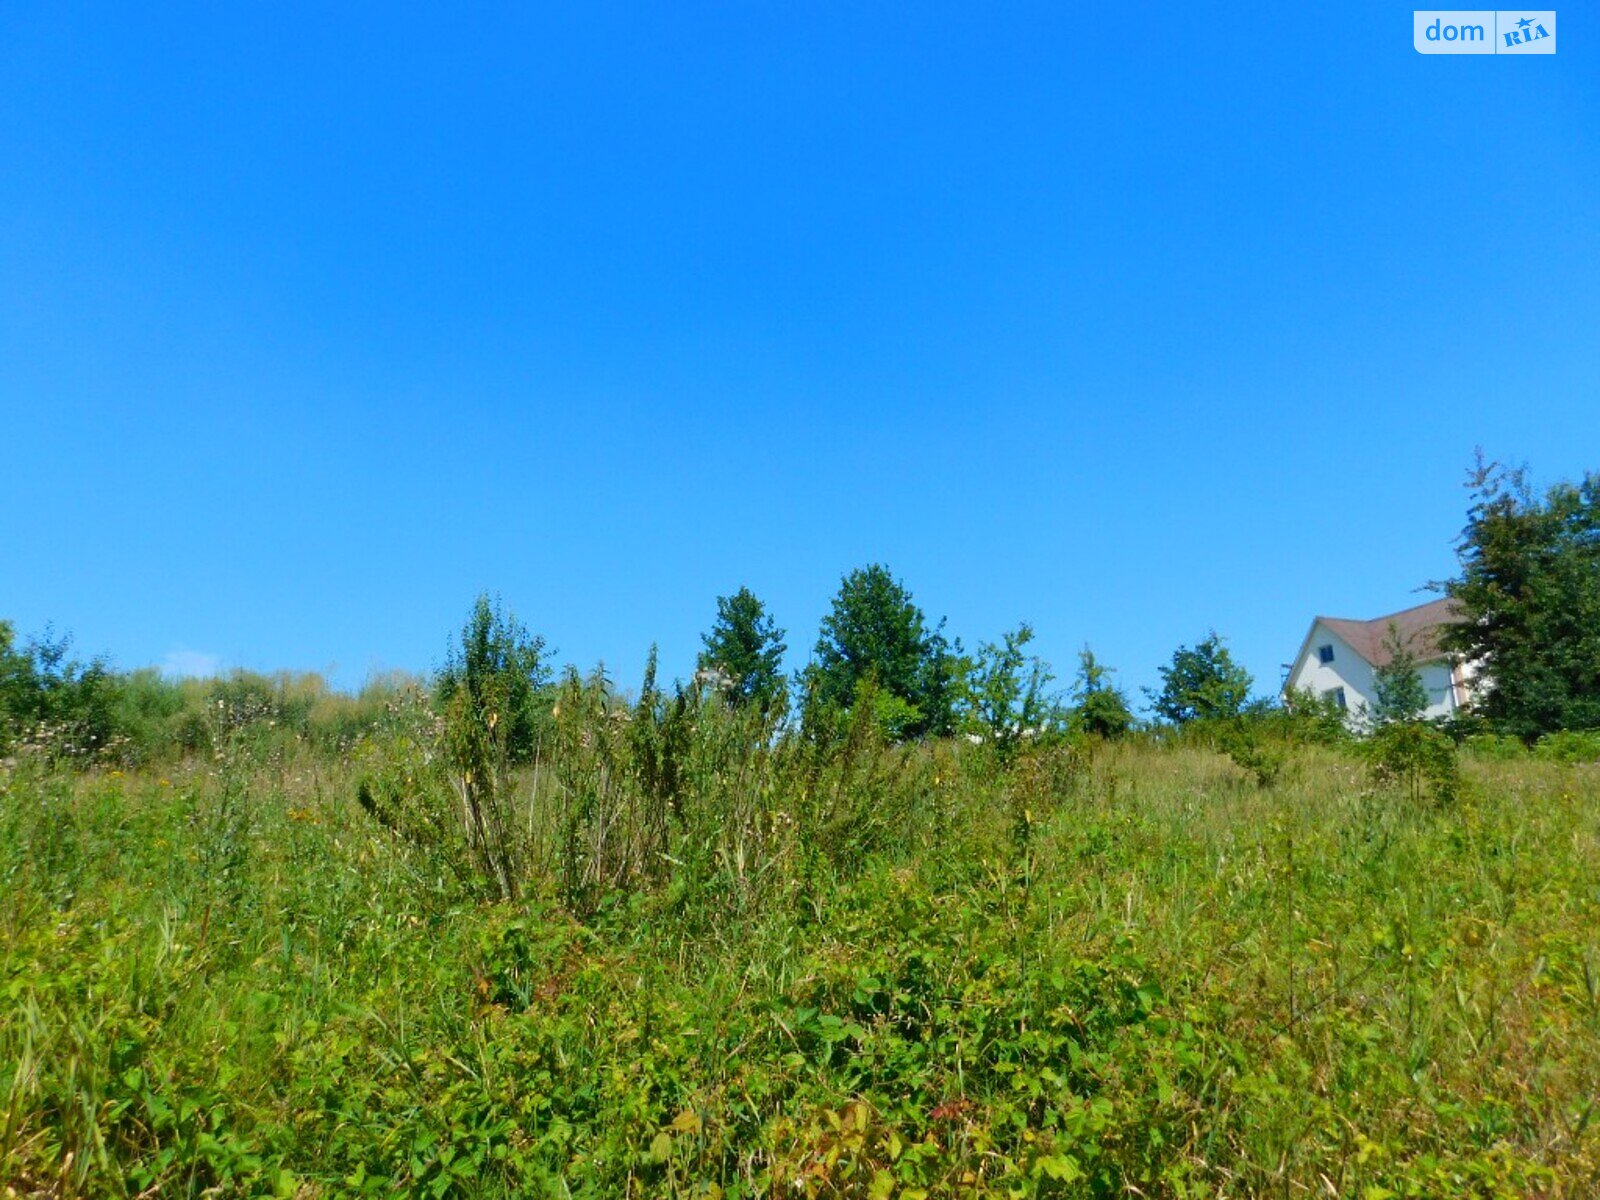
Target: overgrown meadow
(689, 953)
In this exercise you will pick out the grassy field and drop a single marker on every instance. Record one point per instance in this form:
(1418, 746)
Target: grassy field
(1108, 970)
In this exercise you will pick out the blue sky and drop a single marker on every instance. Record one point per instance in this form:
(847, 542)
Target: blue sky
(1130, 322)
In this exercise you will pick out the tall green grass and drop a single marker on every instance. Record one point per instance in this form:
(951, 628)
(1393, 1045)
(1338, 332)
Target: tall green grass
(741, 965)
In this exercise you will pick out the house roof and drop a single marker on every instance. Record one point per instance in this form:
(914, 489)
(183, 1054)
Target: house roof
(1418, 627)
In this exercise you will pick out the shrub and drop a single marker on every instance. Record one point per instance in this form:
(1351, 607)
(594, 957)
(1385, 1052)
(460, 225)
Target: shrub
(1305, 718)
(63, 706)
(1569, 746)
(489, 690)
(1006, 698)
(404, 786)
(1495, 747)
(498, 668)
(146, 710)
(1242, 741)
(1416, 757)
(1102, 708)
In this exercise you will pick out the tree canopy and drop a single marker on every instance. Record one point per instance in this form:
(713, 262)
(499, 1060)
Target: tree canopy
(494, 674)
(1530, 588)
(1101, 707)
(1007, 696)
(746, 644)
(43, 686)
(875, 632)
(1202, 684)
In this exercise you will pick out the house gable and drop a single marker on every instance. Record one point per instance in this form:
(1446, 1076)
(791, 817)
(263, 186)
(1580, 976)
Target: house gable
(1347, 668)
(1360, 648)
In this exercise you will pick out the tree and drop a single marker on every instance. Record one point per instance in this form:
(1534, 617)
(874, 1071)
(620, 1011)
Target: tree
(44, 689)
(1005, 692)
(747, 645)
(1201, 684)
(16, 687)
(1419, 757)
(1101, 708)
(875, 631)
(497, 668)
(1399, 693)
(488, 690)
(1530, 591)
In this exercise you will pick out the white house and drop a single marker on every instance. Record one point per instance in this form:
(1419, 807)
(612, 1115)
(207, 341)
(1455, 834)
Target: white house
(1339, 657)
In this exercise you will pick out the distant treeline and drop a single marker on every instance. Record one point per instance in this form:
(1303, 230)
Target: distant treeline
(1529, 585)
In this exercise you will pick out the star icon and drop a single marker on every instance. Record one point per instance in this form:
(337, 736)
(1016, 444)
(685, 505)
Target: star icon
(1525, 22)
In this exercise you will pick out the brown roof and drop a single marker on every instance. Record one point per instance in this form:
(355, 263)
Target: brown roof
(1418, 627)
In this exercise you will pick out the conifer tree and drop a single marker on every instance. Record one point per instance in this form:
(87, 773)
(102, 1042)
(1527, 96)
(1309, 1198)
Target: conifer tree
(1530, 591)
(876, 632)
(747, 646)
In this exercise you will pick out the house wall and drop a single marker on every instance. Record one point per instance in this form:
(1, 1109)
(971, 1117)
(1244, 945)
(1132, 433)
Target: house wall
(1347, 670)
(1442, 693)
(1467, 682)
(1353, 673)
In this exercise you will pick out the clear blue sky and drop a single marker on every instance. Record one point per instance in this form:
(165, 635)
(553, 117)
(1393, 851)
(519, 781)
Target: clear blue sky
(317, 320)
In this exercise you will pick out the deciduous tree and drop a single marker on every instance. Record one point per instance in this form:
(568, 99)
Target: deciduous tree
(1006, 696)
(1201, 684)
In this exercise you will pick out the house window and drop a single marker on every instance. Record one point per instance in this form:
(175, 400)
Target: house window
(1337, 696)
(1325, 654)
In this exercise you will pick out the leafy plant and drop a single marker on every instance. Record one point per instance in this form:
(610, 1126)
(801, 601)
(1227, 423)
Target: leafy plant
(1304, 716)
(1241, 740)
(1570, 746)
(1201, 684)
(488, 691)
(875, 630)
(1101, 709)
(747, 646)
(1530, 591)
(1398, 691)
(64, 706)
(1006, 698)
(1495, 747)
(496, 666)
(1418, 758)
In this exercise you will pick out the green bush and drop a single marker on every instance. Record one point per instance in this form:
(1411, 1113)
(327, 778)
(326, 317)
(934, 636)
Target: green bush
(1495, 747)
(1100, 708)
(1569, 746)
(1245, 743)
(56, 704)
(1201, 684)
(496, 669)
(146, 710)
(1416, 757)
